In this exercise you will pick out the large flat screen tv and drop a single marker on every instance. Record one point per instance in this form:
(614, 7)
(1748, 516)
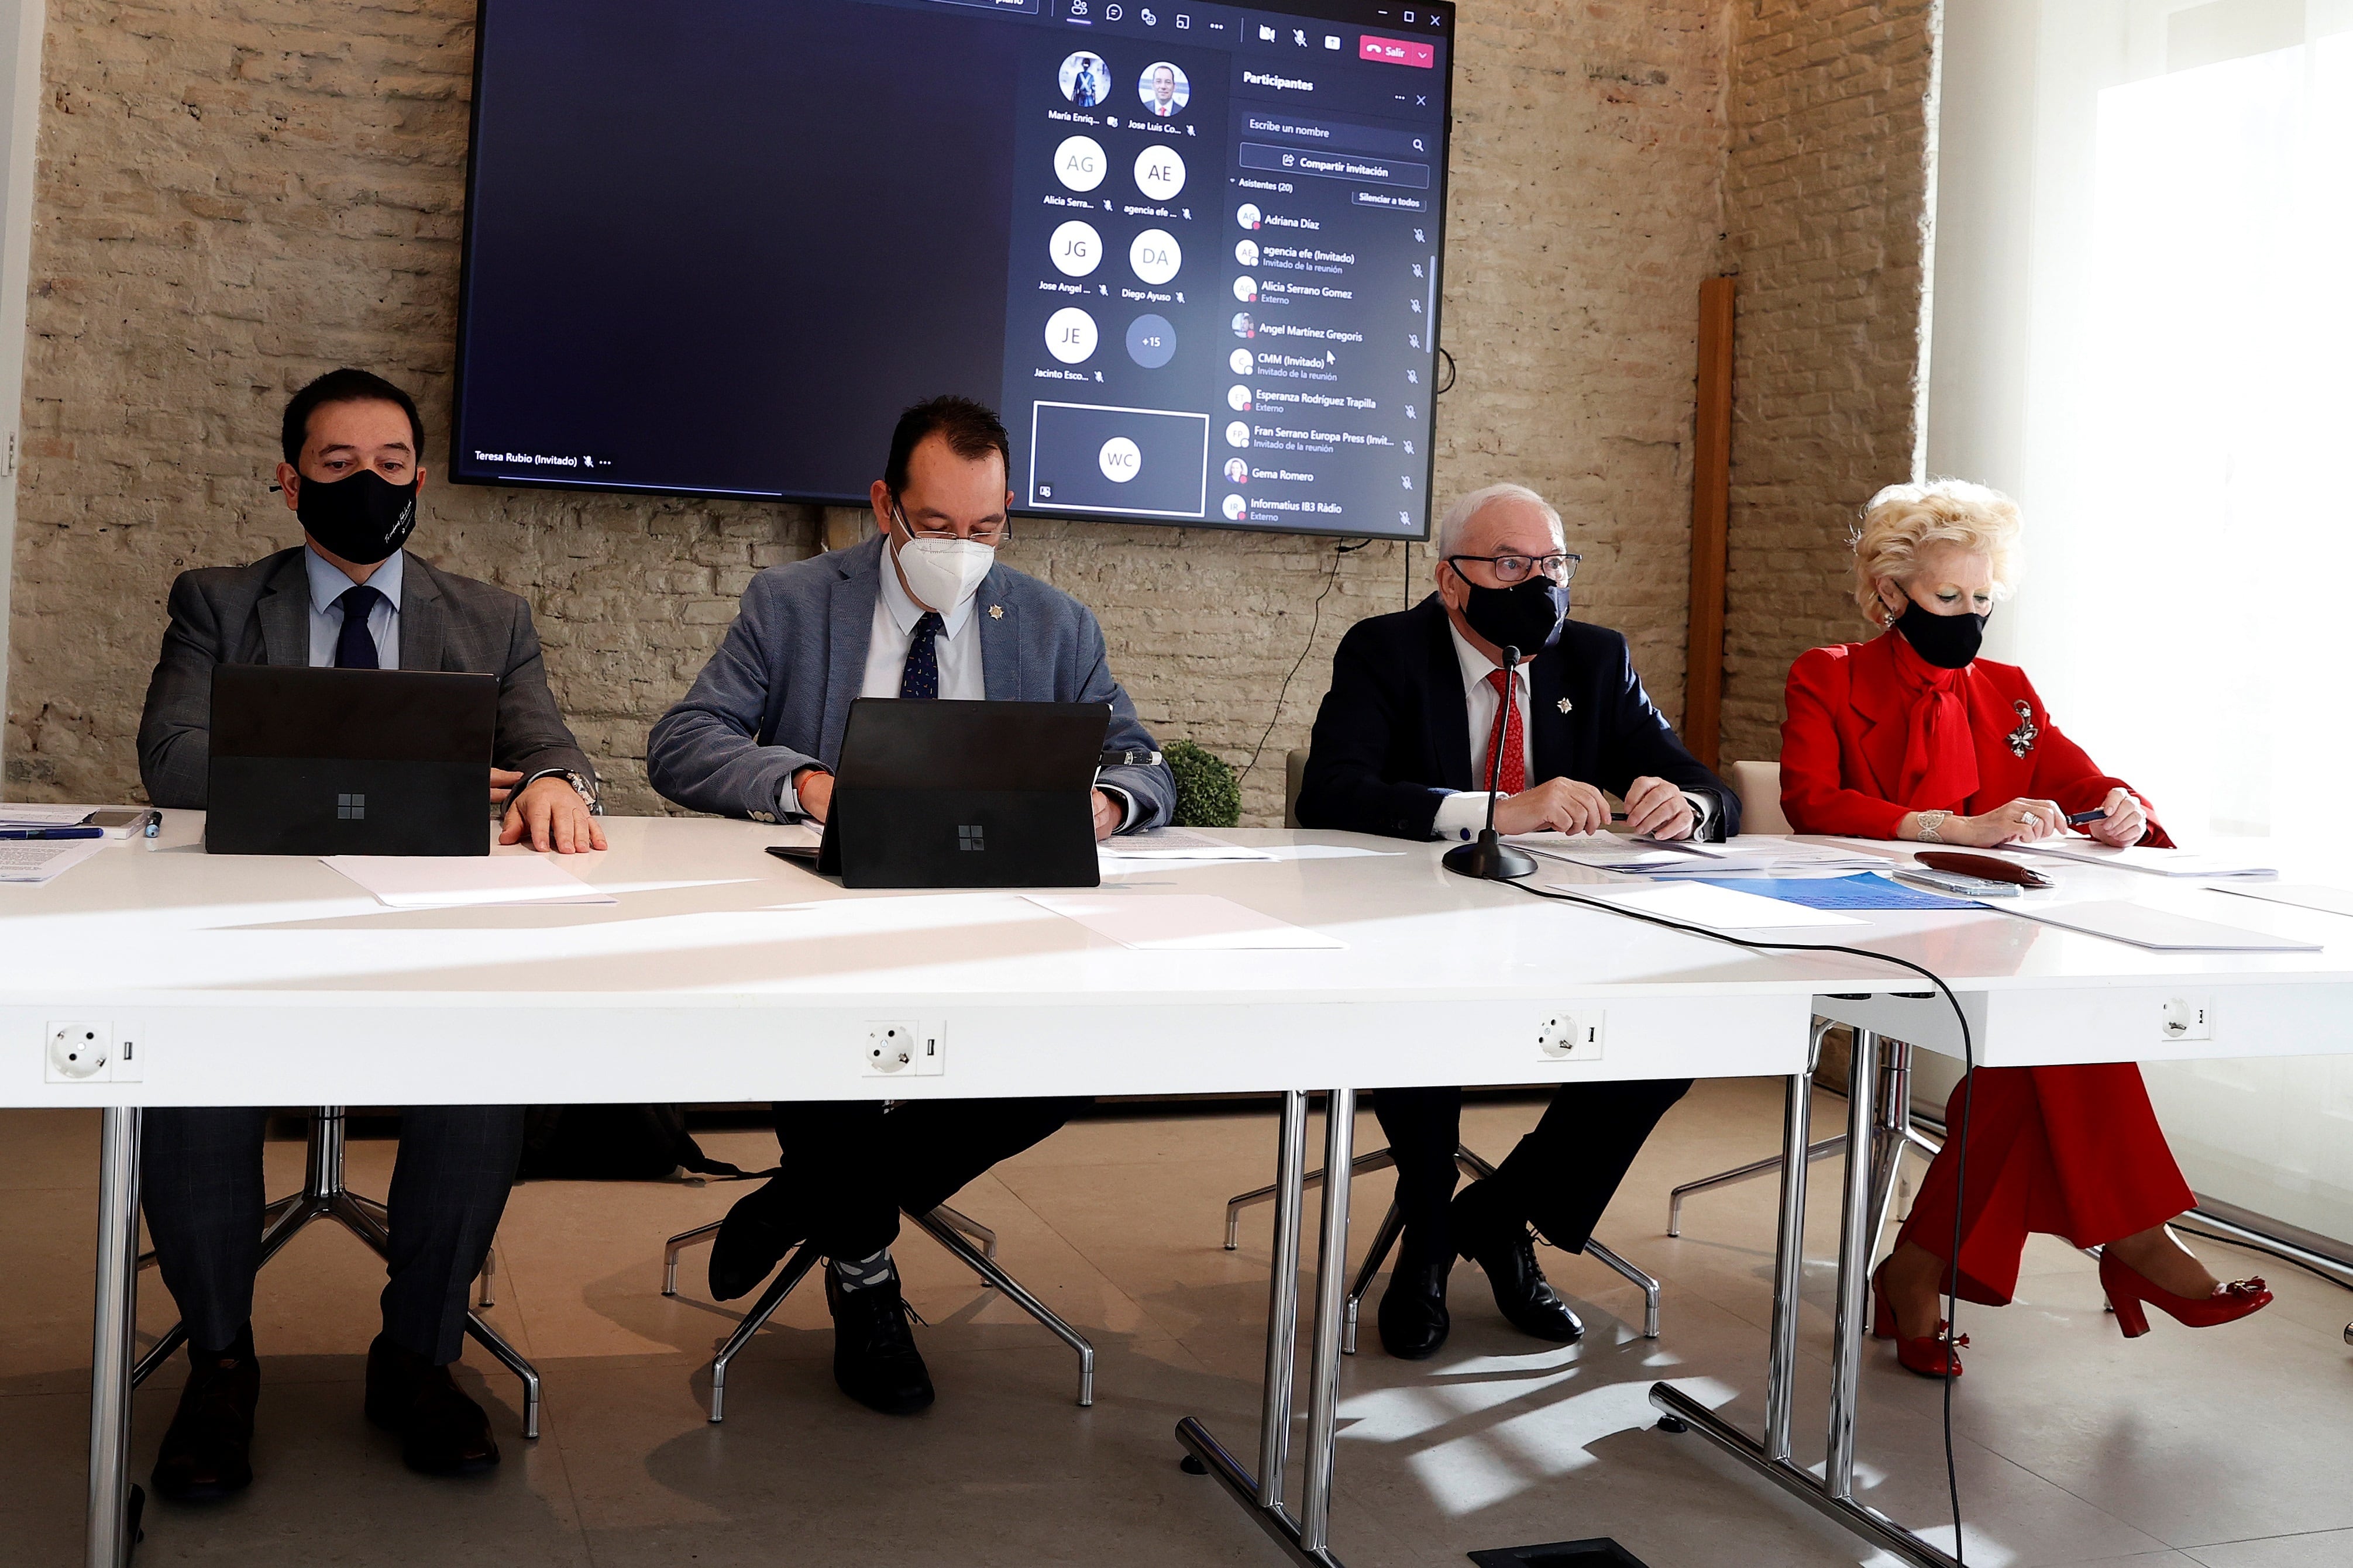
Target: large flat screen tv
(1192, 252)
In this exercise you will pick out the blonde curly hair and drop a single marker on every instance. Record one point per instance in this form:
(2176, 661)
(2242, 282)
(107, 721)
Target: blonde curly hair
(1904, 521)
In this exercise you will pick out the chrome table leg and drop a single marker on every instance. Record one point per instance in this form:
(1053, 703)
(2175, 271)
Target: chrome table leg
(112, 1531)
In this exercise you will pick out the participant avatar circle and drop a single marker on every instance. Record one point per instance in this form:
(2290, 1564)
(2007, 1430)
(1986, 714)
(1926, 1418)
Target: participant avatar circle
(1155, 255)
(1236, 471)
(1081, 163)
(1243, 327)
(1119, 460)
(1076, 248)
(1151, 341)
(1237, 434)
(1159, 172)
(1239, 361)
(1086, 79)
(1246, 252)
(1246, 215)
(1235, 509)
(1237, 397)
(1163, 90)
(1246, 290)
(1070, 335)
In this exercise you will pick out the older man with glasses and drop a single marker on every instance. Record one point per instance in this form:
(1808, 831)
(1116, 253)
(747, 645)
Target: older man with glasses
(1426, 717)
(924, 611)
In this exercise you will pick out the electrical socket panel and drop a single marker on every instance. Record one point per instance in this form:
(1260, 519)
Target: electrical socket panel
(908, 1047)
(78, 1050)
(1572, 1037)
(2187, 1018)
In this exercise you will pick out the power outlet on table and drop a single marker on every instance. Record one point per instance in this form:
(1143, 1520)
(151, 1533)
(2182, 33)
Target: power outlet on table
(2187, 1018)
(1572, 1037)
(80, 1050)
(904, 1046)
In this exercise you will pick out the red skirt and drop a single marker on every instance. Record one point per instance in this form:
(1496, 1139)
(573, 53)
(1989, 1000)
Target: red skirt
(2073, 1151)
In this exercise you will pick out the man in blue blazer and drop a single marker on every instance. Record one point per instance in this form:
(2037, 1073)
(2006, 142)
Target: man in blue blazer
(1414, 721)
(922, 611)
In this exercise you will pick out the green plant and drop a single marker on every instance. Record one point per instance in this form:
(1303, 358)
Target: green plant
(1206, 794)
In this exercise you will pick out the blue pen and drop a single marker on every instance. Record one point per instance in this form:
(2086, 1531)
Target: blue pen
(52, 833)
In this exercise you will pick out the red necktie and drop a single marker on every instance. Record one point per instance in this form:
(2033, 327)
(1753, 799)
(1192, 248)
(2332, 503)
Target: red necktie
(1512, 776)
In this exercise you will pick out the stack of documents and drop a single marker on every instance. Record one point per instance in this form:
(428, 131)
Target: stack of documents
(21, 818)
(40, 860)
(2155, 862)
(1750, 854)
(1168, 847)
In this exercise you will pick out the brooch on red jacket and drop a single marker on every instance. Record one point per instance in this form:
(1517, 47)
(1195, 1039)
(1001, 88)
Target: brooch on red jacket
(2023, 739)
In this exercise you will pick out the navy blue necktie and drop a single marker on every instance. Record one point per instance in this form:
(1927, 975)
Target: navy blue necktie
(355, 648)
(922, 676)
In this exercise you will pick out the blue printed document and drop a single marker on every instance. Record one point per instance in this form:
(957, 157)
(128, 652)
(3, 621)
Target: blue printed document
(1868, 891)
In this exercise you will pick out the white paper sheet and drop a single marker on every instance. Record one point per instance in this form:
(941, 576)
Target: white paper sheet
(1321, 851)
(2140, 858)
(1181, 922)
(2303, 895)
(463, 881)
(1696, 903)
(38, 860)
(1175, 844)
(41, 815)
(2159, 931)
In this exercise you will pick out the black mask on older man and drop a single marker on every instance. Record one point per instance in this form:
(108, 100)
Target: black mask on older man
(361, 517)
(1526, 616)
(1949, 642)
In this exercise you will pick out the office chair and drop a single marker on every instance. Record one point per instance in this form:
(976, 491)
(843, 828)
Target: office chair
(324, 1197)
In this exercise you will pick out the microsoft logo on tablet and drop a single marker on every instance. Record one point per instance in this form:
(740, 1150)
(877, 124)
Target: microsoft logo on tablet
(970, 838)
(350, 809)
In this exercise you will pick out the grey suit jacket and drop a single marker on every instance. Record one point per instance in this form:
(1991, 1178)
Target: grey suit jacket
(261, 615)
(776, 696)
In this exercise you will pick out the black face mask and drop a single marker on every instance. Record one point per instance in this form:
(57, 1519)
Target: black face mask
(1949, 642)
(361, 517)
(1526, 616)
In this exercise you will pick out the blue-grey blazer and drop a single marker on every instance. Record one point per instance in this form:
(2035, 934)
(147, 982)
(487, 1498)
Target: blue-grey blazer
(774, 696)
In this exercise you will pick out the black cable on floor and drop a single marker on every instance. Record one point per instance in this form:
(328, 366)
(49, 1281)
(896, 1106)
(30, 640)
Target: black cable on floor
(1339, 553)
(1968, 1084)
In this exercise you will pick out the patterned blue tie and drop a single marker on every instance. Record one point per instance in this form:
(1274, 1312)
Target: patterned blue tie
(355, 648)
(923, 674)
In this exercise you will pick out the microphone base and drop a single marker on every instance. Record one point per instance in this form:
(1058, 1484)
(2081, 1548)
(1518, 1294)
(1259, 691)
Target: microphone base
(1489, 859)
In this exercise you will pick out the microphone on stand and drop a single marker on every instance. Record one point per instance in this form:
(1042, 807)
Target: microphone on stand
(1487, 857)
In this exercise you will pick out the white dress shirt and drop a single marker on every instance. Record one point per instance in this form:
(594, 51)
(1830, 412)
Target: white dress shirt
(956, 646)
(1463, 812)
(328, 583)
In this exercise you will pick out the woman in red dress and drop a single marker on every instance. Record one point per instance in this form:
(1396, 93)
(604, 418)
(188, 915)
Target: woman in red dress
(1912, 736)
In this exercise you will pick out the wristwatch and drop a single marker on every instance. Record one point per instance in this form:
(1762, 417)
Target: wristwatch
(1929, 822)
(586, 786)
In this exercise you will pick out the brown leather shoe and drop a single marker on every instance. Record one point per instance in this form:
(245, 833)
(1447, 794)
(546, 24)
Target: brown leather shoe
(441, 1431)
(206, 1453)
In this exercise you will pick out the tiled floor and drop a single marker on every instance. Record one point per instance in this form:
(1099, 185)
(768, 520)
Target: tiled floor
(2231, 1449)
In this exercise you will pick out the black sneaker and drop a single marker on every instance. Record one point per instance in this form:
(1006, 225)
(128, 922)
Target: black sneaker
(206, 1453)
(1500, 1243)
(874, 1357)
(753, 1240)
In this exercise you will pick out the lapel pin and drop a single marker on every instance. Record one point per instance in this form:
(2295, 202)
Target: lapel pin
(1565, 705)
(996, 612)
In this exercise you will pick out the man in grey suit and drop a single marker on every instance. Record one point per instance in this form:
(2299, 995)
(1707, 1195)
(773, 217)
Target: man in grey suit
(351, 597)
(922, 611)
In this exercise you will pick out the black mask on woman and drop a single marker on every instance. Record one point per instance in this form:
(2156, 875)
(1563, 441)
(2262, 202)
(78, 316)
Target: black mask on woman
(1949, 642)
(361, 517)
(1526, 616)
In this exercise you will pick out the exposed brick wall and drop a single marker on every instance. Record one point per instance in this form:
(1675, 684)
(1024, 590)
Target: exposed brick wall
(233, 197)
(1825, 205)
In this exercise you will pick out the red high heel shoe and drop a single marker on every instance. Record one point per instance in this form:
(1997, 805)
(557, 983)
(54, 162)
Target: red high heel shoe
(1929, 1355)
(2128, 1289)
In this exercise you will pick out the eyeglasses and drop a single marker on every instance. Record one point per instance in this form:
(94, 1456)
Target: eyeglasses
(1560, 565)
(989, 533)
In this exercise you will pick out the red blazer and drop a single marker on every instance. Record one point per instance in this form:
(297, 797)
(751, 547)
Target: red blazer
(1850, 713)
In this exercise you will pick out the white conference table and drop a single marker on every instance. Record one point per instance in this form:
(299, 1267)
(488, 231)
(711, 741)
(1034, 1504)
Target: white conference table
(722, 973)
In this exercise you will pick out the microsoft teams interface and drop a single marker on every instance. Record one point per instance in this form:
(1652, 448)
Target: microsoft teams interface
(1192, 252)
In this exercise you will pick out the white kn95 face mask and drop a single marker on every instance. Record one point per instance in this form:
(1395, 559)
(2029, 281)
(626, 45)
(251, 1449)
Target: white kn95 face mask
(944, 572)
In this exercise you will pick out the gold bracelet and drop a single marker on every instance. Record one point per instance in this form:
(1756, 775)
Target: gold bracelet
(1929, 822)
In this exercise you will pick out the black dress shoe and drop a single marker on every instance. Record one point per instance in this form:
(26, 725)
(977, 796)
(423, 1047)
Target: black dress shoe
(1499, 1241)
(1413, 1317)
(874, 1357)
(206, 1453)
(753, 1240)
(441, 1431)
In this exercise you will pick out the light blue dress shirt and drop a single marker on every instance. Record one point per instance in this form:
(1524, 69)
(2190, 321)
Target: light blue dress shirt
(328, 585)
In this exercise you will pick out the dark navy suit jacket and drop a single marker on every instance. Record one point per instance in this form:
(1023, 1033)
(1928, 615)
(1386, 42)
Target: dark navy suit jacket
(1393, 735)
